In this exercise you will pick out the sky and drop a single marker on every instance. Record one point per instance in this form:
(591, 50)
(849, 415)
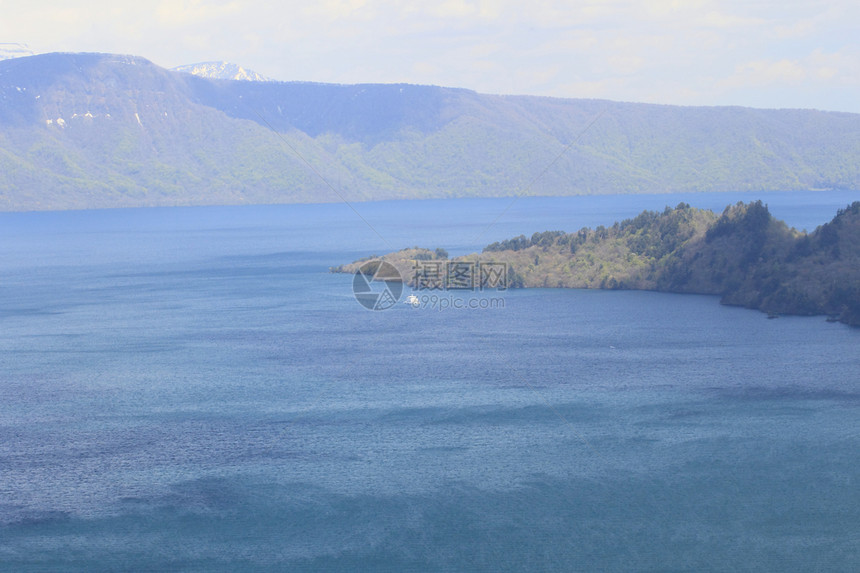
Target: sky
(772, 54)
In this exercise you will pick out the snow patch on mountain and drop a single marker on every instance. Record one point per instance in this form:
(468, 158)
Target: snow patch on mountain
(222, 71)
(14, 50)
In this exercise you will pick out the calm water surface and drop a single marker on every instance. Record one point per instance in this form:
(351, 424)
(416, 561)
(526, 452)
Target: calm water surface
(190, 389)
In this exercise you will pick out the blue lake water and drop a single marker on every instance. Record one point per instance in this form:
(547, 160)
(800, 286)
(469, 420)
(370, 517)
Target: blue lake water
(190, 389)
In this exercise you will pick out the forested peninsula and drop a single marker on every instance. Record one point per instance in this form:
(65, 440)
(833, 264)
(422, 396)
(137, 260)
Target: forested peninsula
(744, 255)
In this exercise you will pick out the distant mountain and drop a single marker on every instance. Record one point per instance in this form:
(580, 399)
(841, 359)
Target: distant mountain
(221, 71)
(102, 130)
(744, 255)
(13, 50)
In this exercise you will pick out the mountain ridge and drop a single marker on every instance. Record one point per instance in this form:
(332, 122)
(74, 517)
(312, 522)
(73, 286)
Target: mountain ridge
(221, 71)
(105, 130)
(9, 50)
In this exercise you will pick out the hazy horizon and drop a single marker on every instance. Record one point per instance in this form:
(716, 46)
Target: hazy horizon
(701, 53)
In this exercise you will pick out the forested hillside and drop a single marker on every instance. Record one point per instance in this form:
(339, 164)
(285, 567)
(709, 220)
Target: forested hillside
(744, 255)
(101, 130)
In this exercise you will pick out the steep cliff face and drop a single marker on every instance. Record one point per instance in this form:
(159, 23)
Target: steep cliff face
(90, 130)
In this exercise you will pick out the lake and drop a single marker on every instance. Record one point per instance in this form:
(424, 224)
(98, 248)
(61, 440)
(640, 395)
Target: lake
(191, 389)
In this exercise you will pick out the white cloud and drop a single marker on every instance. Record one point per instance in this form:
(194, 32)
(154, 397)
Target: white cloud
(816, 66)
(452, 9)
(793, 30)
(717, 19)
(193, 12)
(626, 65)
(336, 9)
(841, 67)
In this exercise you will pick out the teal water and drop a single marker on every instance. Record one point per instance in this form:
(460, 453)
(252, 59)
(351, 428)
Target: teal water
(189, 389)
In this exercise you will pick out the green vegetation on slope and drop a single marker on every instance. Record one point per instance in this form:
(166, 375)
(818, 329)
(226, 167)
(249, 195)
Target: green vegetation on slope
(744, 255)
(100, 130)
